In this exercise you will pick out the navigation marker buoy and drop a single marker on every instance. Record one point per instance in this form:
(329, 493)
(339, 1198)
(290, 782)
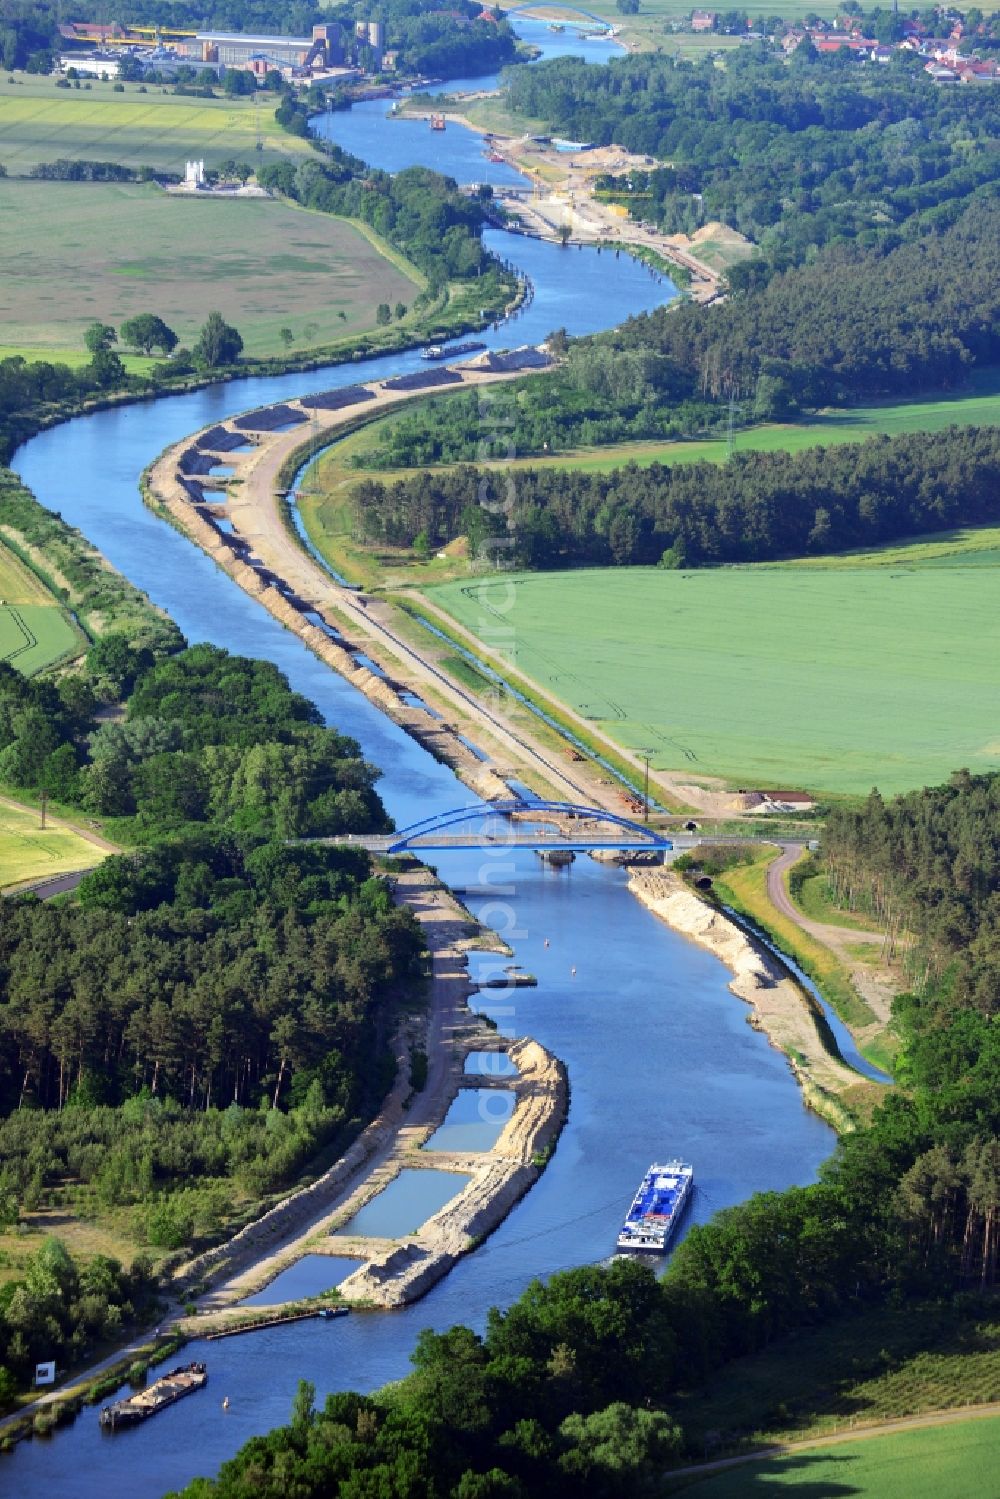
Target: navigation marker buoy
(225, 1403)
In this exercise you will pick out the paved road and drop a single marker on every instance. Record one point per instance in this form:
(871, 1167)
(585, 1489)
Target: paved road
(831, 936)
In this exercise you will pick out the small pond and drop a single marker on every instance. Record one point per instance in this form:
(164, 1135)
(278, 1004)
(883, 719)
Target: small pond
(475, 1120)
(490, 1064)
(309, 1276)
(406, 1203)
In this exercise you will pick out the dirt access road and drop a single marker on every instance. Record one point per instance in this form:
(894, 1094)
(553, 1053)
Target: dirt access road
(876, 987)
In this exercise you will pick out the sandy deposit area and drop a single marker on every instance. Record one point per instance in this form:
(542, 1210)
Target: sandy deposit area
(400, 1270)
(778, 1006)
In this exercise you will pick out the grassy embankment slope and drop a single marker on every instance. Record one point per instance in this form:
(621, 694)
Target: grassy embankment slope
(40, 123)
(265, 265)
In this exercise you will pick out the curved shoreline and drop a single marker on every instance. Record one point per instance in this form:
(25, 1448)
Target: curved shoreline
(262, 554)
(779, 1007)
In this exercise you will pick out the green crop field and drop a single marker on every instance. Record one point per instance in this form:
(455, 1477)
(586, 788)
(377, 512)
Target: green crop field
(29, 852)
(830, 678)
(936, 1462)
(18, 584)
(72, 252)
(40, 123)
(34, 630)
(33, 636)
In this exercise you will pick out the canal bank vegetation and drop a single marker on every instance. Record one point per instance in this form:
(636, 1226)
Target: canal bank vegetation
(743, 886)
(871, 1292)
(677, 371)
(795, 153)
(65, 1309)
(207, 1021)
(76, 575)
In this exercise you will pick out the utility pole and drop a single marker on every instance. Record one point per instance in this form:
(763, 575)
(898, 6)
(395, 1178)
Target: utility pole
(45, 797)
(646, 756)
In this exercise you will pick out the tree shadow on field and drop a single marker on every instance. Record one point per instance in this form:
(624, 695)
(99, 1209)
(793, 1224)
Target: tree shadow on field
(757, 1481)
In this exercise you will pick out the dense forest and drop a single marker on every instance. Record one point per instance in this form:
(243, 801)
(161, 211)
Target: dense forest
(576, 1387)
(928, 864)
(451, 43)
(851, 326)
(755, 507)
(795, 154)
(214, 1007)
(206, 738)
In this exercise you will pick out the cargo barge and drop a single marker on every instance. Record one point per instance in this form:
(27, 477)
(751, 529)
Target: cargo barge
(444, 351)
(155, 1397)
(657, 1208)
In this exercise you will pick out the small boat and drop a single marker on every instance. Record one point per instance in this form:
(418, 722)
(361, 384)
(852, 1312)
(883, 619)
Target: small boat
(437, 122)
(164, 1391)
(328, 1313)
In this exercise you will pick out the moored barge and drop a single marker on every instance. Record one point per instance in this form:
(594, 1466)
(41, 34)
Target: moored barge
(164, 1391)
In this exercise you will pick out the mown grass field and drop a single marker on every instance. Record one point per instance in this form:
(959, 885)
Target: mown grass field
(136, 364)
(33, 636)
(29, 852)
(937, 1462)
(40, 123)
(73, 252)
(833, 679)
(34, 630)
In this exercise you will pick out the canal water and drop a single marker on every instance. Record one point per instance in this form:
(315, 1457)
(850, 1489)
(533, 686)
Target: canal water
(475, 1120)
(660, 1058)
(310, 1276)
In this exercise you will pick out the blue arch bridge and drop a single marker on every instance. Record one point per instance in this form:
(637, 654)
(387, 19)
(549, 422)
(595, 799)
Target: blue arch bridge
(573, 10)
(541, 825)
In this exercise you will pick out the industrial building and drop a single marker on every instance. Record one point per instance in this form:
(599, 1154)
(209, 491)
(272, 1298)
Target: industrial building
(328, 52)
(237, 49)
